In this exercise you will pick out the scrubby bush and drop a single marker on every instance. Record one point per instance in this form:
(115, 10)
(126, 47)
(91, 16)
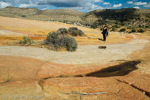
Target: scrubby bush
(113, 29)
(147, 26)
(25, 40)
(129, 27)
(141, 30)
(71, 44)
(57, 41)
(51, 37)
(122, 30)
(23, 15)
(75, 32)
(72, 28)
(81, 33)
(122, 24)
(140, 26)
(133, 30)
(94, 26)
(20, 42)
(62, 31)
(116, 26)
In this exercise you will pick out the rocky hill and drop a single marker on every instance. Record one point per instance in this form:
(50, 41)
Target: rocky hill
(18, 12)
(119, 15)
(127, 16)
(43, 15)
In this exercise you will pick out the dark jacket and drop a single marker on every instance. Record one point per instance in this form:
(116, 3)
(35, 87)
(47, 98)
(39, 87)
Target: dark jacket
(104, 31)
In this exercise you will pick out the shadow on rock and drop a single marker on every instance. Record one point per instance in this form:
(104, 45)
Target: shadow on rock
(118, 70)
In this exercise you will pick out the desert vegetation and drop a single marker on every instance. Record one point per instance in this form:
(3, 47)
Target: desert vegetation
(26, 40)
(122, 30)
(73, 31)
(59, 40)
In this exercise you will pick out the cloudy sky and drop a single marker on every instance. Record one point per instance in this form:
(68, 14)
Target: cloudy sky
(80, 5)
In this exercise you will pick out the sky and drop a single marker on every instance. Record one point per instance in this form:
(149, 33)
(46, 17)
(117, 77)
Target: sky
(80, 5)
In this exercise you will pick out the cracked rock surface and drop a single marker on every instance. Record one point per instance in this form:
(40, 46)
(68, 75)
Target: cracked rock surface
(39, 74)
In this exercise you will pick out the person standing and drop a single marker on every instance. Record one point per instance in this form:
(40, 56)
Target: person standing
(105, 33)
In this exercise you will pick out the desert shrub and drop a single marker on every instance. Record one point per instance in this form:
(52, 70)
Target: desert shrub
(116, 26)
(25, 40)
(71, 44)
(23, 15)
(122, 24)
(141, 30)
(81, 33)
(129, 27)
(75, 32)
(113, 29)
(58, 41)
(65, 21)
(72, 28)
(122, 30)
(94, 26)
(141, 26)
(62, 31)
(20, 42)
(51, 37)
(133, 30)
(147, 26)
(35, 42)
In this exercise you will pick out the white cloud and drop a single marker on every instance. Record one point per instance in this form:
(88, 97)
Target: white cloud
(28, 5)
(94, 7)
(88, 4)
(44, 9)
(117, 5)
(68, 3)
(148, 5)
(98, 0)
(106, 3)
(136, 7)
(4, 4)
(83, 9)
(140, 3)
(43, 4)
(130, 2)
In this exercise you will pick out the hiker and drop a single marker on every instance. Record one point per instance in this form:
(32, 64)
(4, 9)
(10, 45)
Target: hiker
(105, 33)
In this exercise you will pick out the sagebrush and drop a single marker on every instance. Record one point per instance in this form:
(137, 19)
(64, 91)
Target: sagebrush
(57, 41)
(74, 31)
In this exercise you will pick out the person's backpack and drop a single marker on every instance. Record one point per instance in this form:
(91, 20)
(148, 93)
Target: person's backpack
(107, 33)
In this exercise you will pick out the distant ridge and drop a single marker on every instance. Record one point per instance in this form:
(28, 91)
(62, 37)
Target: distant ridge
(44, 15)
(99, 16)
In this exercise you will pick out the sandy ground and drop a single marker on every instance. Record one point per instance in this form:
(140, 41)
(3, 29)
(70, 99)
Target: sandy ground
(36, 27)
(84, 55)
(6, 32)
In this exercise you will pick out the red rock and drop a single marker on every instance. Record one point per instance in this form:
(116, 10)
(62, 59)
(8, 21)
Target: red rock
(129, 36)
(53, 70)
(138, 80)
(18, 68)
(114, 89)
